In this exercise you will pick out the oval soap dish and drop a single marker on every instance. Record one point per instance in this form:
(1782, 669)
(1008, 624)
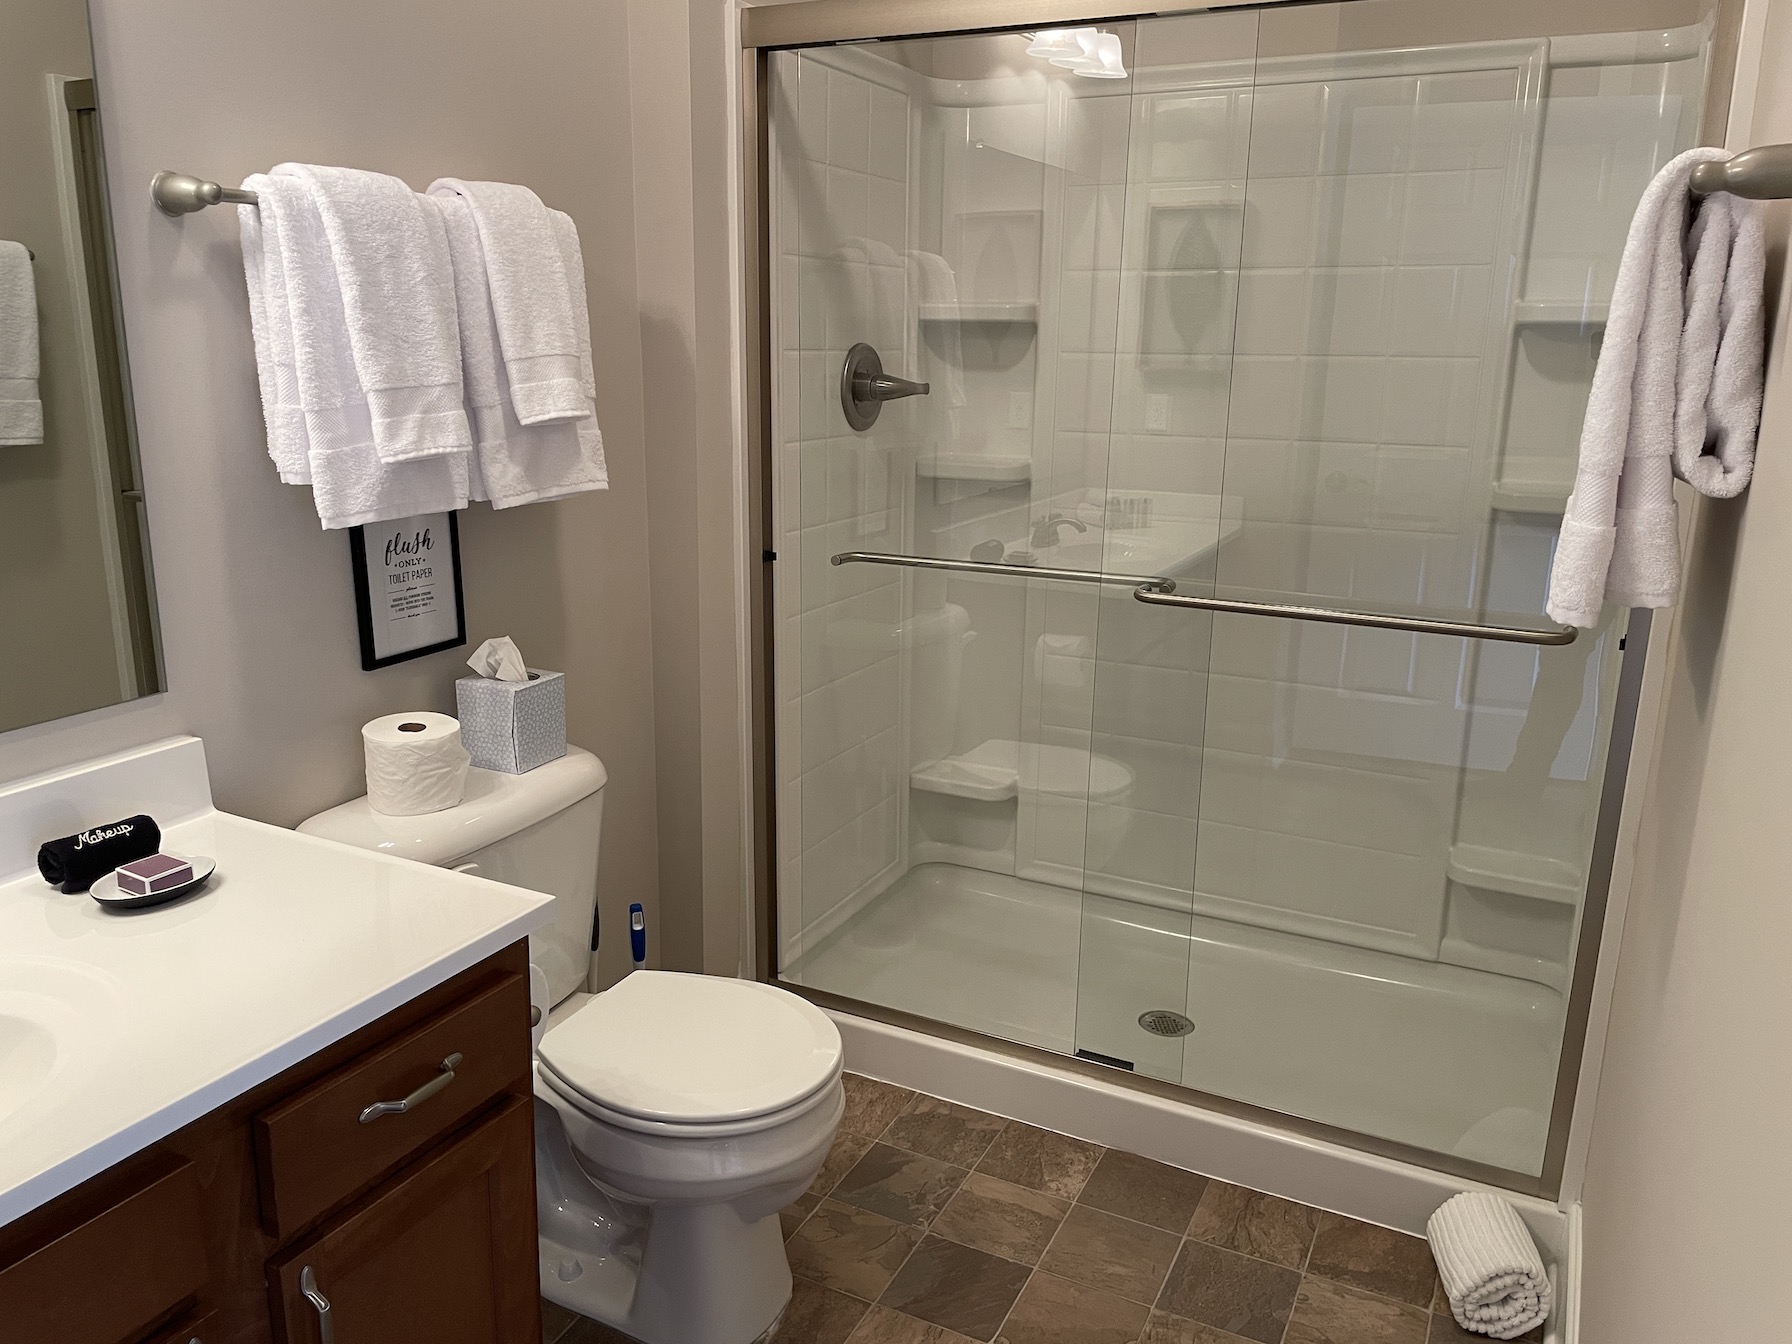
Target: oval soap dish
(106, 891)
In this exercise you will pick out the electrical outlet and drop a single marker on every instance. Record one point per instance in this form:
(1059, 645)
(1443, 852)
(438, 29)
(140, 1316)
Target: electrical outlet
(1157, 411)
(1020, 410)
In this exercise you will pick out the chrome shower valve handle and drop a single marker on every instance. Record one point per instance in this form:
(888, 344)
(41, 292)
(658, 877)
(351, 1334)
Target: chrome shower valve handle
(865, 387)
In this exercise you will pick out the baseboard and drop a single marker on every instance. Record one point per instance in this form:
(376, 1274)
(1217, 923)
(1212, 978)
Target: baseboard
(1245, 1152)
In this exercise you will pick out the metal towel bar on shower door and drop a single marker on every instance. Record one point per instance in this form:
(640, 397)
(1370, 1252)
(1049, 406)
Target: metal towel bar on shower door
(1159, 591)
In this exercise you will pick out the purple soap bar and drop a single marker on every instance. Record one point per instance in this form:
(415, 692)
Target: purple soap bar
(159, 872)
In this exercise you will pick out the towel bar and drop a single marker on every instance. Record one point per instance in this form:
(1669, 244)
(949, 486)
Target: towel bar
(182, 193)
(1160, 591)
(1763, 173)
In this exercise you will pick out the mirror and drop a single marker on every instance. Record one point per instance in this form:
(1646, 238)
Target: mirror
(76, 585)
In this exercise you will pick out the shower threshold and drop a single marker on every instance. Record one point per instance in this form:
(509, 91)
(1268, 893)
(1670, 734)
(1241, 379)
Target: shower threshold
(1435, 1056)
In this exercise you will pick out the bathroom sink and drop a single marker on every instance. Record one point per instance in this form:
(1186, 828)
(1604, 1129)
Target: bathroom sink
(55, 1021)
(27, 1054)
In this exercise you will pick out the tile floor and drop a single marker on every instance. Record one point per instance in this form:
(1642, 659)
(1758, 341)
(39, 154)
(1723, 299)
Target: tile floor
(932, 1223)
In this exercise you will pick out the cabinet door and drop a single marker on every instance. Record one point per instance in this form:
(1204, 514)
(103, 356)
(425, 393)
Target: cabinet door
(443, 1252)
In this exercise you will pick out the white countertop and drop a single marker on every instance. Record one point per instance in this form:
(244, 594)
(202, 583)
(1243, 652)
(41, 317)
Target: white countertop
(146, 1020)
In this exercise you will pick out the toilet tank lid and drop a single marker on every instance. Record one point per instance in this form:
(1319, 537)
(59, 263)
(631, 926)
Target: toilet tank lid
(495, 807)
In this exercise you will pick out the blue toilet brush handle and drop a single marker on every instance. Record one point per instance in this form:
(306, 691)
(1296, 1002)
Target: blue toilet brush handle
(637, 934)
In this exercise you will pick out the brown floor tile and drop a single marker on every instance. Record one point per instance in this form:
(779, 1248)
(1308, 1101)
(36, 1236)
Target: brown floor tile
(817, 1315)
(556, 1320)
(850, 1250)
(791, 1216)
(1329, 1313)
(1374, 1259)
(1148, 1192)
(1277, 1230)
(1164, 1328)
(1056, 1164)
(1111, 1253)
(901, 1185)
(843, 1153)
(1003, 1219)
(1051, 1310)
(883, 1326)
(871, 1105)
(961, 1288)
(1248, 1297)
(1444, 1330)
(944, 1129)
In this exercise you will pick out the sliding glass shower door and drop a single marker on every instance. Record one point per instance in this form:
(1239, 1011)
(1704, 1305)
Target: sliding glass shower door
(1281, 308)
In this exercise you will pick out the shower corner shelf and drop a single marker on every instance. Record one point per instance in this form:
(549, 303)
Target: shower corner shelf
(1544, 497)
(999, 467)
(1514, 873)
(1559, 313)
(1027, 313)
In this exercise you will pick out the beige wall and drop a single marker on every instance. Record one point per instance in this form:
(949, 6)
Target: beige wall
(256, 603)
(1689, 1174)
(680, 61)
(52, 575)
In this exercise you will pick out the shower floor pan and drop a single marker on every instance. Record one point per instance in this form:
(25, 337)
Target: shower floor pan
(1438, 1056)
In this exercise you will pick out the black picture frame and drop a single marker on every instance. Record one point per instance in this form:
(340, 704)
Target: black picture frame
(372, 658)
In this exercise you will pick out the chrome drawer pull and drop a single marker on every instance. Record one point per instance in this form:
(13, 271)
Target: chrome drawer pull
(412, 1102)
(326, 1324)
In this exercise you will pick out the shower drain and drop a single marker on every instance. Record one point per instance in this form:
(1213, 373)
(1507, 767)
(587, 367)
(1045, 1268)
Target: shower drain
(1163, 1022)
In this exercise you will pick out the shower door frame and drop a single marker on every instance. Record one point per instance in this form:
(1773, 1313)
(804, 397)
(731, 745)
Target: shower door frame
(1642, 648)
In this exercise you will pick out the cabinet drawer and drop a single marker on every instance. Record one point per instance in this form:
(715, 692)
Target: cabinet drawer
(444, 1252)
(323, 1144)
(110, 1276)
(195, 1330)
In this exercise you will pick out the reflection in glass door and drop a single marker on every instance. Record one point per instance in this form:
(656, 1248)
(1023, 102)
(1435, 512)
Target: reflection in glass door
(1295, 306)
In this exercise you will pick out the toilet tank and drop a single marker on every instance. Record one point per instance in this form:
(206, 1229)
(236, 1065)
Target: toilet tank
(538, 830)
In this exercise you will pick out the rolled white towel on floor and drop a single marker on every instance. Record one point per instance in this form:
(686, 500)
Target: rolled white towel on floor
(1489, 1266)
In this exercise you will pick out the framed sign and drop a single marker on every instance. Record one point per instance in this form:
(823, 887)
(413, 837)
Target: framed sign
(407, 588)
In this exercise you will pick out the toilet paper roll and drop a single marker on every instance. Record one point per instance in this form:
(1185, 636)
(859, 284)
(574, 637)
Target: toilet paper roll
(415, 763)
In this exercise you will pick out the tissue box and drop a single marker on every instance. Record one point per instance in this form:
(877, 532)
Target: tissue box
(513, 726)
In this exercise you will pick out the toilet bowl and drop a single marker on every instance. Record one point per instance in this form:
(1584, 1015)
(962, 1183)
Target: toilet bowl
(675, 1114)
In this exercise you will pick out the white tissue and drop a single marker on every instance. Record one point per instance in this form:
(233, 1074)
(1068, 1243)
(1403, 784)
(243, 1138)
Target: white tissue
(415, 763)
(498, 659)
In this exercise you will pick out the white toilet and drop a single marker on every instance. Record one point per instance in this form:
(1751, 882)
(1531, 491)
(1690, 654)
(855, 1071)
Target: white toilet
(674, 1114)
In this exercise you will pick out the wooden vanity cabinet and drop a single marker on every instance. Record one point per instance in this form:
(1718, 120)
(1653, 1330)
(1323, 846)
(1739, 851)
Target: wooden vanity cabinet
(415, 1224)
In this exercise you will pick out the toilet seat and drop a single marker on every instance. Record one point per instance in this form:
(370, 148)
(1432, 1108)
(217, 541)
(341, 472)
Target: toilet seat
(692, 1055)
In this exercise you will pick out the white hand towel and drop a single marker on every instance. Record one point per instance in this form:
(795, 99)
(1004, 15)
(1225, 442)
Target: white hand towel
(391, 258)
(1489, 1266)
(514, 463)
(1722, 348)
(350, 485)
(532, 301)
(270, 322)
(21, 410)
(1619, 540)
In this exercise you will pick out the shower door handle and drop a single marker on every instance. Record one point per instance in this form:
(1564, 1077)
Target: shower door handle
(865, 387)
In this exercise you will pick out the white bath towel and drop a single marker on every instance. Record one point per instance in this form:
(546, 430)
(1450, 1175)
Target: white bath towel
(1489, 1266)
(21, 410)
(1722, 348)
(391, 258)
(1619, 540)
(538, 329)
(514, 463)
(350, 484)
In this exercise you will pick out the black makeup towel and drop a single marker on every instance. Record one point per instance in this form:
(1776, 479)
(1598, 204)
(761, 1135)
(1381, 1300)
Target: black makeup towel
(76, 862)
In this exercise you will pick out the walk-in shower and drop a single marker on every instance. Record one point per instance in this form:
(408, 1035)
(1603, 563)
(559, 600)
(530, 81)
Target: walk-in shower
(1154, 661)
